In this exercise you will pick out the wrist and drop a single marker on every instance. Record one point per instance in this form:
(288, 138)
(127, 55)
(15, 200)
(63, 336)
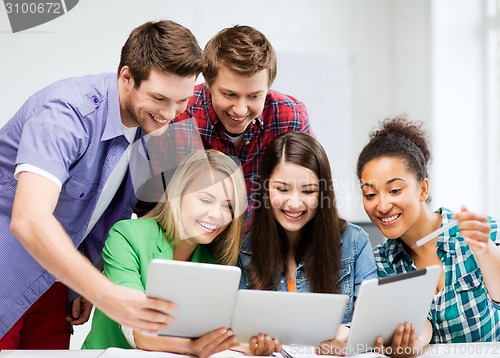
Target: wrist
(189, 347)
(100, 290)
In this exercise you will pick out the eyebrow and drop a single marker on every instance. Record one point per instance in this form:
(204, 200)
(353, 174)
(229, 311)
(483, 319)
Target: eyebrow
(156, 94)
(388, 182)
(395, 179)
(303, 185)
(206, 193)
(229, 90)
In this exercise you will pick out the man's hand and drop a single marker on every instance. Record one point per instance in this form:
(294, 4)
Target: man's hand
(80, 311)
(132, 308)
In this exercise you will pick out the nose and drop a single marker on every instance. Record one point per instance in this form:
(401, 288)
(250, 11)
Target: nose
(384, 205)
(294, 201)
(215, 212)
(168, 112)
(240, 107)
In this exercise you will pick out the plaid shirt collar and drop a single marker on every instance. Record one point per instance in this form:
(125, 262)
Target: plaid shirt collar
(396, 252)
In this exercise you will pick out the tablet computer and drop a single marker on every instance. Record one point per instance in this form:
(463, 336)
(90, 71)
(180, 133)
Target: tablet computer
(204, 294)
(384, 303)
(292, 317)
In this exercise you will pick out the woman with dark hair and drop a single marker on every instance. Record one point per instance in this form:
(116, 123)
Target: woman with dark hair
(298, 242)
(392, 169)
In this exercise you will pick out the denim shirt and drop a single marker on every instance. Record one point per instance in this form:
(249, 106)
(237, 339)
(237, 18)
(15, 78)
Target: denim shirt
(356, 265)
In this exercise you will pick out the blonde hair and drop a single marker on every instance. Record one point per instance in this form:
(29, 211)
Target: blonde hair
(225, 247)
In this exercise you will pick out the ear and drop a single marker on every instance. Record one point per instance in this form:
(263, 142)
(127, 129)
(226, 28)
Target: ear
(126, 78)
(424, 190)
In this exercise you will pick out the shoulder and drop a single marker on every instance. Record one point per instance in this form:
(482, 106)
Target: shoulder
(198, 105)
(246, 251)
(77, 88)
(78, 96)
(284, 112)
(278, 97)
(354, 235)
(201, 96)
(133, 231)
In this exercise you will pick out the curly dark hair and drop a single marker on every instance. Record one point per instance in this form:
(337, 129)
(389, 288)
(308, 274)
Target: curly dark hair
(401, 138)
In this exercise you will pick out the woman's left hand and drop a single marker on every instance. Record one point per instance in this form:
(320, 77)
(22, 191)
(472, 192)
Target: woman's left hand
(403, 345)
(263, 345)
(337, 345)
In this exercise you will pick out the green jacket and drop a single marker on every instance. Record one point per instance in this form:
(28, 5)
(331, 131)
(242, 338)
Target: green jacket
(129, 248)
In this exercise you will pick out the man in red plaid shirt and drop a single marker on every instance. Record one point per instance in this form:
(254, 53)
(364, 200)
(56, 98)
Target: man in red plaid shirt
(236, 111)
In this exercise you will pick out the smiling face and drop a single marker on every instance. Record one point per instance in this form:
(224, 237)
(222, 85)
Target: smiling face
(237, 99)
(157, 101)
(393, 198)
(206, 207)
(294, 196)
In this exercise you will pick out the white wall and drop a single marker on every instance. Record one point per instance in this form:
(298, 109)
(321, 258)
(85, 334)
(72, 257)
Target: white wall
(459, 104)
(422, 57)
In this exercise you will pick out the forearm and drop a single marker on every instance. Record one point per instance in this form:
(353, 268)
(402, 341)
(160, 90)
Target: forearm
(489, 264)
(162, 344)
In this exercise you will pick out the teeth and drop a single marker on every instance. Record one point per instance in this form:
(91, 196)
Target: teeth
(208, 226)
(390, 218)
(293, 214)
(239, 119)
(159, 120)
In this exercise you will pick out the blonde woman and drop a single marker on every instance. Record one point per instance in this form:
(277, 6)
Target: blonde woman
(200, 220)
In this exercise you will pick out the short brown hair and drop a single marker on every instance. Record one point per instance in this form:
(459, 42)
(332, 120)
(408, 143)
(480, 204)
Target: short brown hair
(241, 49)
(163, 45)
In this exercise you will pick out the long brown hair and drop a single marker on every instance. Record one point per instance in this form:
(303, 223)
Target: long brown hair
(319, 244)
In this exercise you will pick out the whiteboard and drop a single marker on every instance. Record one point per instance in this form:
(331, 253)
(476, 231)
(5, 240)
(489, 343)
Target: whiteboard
(324, 83)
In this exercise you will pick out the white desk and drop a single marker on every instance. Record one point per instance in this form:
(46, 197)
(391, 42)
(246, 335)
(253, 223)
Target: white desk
(54, 354)
(465, 350)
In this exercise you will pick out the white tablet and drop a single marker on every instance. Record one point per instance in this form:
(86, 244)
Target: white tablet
(294, 318)
(204, 294)
(384, 303)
